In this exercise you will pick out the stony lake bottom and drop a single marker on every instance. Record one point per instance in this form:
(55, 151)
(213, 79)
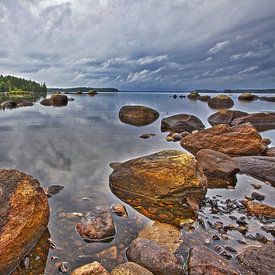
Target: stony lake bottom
(74, 145)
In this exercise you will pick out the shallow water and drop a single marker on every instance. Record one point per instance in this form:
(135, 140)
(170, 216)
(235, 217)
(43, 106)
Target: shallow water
(73, 146)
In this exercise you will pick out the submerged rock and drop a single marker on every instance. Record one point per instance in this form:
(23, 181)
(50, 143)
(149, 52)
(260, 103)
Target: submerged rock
(24, 103)
(130, 268)
(24, 216)
(268, 98)
(239, 140)
(260, 167)
(180, 123)
(256, 260)
(158, 185)
(94, 268)
(259, 209)
(221, 102)
(97, 225)
(261, 121)
(203, 261)
(154, 257)
(138, 115)
(225, 117)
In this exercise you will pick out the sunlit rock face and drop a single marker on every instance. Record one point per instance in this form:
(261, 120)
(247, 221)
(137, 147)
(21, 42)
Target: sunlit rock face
(24, 215)
(165, 186)
(137, 115)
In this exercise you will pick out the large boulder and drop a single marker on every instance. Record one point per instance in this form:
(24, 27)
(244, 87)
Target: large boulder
(180, 123)
(193, 95)
(59, 100)
(259, 209)
(221, 102)
(261, 121)
(256, 260)
(97, 225)
(203, 261)
(24, 216)
(238, 140)
(159, 185)
(138, 115)
(260, 167)
(153, 257)
(225, 117)
(130, 268)
(46, 102)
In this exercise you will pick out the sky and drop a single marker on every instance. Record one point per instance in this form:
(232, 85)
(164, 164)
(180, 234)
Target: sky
(140, 44)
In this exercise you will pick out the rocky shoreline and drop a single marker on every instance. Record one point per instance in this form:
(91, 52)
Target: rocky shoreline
(192, 231)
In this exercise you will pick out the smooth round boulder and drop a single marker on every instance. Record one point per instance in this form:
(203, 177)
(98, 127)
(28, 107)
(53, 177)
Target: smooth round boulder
(205, 98)
(225, 117)
(247, 97)
(46, 102)
(261, 121)
(180, 123)
(9, 104)
(221, 102)
(24, 216)
(238, 140)
(138, 115)
(154, 257)
(59, 100)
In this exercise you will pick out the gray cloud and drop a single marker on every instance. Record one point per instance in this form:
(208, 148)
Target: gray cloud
(146, 44)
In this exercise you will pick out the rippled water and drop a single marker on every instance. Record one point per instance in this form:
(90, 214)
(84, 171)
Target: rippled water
(73, 146)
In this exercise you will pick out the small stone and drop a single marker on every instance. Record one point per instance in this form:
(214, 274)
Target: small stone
(93, 268)
(130, 268)
(63, 267)
(256, 185)
(25, 262)
(169, 139)
(242, 229)
(119, 209)
(261, 238)
(226, 255)
(257, 196)
(230, 249)
(144, 136)
(215, 238)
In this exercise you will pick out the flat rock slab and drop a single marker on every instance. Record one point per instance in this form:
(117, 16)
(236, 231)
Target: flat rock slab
(138, 115)
(162, 233)
(153, 257)
(239, 140)
(93, 268)
(255, 260)
(203, 261)
(260, 167)
(259, 209)
(97, 225)
(180, 123)
(261, 121)
(130, 268)
(225, 117)
(24, 216)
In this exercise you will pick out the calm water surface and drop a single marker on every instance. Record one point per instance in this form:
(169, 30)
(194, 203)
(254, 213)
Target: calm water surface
(73, 146)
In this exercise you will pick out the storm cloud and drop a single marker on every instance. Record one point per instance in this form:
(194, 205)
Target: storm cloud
(140, 45)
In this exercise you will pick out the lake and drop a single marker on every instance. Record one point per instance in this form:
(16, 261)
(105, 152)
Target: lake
(74, 145)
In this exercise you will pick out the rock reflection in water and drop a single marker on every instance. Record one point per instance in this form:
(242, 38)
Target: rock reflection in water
(164, 210)
(35, 261)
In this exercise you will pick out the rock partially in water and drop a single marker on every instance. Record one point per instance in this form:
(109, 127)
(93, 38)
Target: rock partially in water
(239, 140)
(260, 167)
(256, 260)
(221, 102)
(205, 98)
(268, 98)
(225, 117)
(216, 164)
(138, 115)
(259, 209)
(247, 97)
(193, 95)
(93, 268)
(119, 209)
(24, 103)
(163, 234)
(46, 102)
(158, 185)
(261, 121)
(59, 100)
(270, 152)
(9, 104)
(24, 216)
(203, 261)
(180, 123)
(53, 190)
(97, 225)
(130, 268)
(153, 257)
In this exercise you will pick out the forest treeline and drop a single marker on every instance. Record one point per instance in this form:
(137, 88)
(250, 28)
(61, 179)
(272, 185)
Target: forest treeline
(13, 84)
